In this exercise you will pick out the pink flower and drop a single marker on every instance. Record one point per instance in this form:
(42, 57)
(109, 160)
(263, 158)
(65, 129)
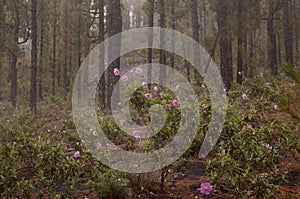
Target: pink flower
(269, 147)
(168, 107)
(175, 103)
(244, 96)
(240, 73)
(148, 96)
(261, 74)
(98, 145)
(95, 133)
(206, 188)
(275, 107)
(41, 156)
(155, 89)
(137, 136)
(124, 78)
(116, 72)
(145, 85)
(139, 71)
(76, 154)
(267, 84)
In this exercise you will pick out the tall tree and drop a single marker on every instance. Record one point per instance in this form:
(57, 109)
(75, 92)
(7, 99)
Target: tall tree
(54, 46)
(2, 37)
(101, 29)
(66, 18)
(43, 22)
(288, 33)
(162, 53)
(196, 36)
(222, 13)
(114, 27)
(272, 47)
(16, 24)
(150, 38)
(240, 42)
(173, 26)
(33, 55)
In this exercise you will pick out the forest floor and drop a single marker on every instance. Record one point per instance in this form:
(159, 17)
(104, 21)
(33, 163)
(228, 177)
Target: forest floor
(181, 185)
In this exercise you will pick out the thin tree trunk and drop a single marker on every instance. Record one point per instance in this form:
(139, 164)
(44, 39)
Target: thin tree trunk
(102, 83)
(288, 33)
(150, 39)
(224, 42)
(33, 56)
(196, 37)
(240, 42)
(79, 54)
(172, 60)
(2, 37)
(246, 58)
(114, 27)
(251, 55)
(272, 49)
(40, 80)
(54, 49)
(127, 25)
(162, 53)
(14, 57)
(279, 51)
(186, 63)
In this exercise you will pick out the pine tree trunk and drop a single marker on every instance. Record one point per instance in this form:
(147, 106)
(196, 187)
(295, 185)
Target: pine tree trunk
(272, 49)
(40, 79)
(102, 83)
(279, 51)
(240, 42)
(14, 57)
(196, 37)
(150, 39)
(172, 59)
(251, 55)
(114, 27)
(33, 56)
(288, 33)
(224, 42)
(54, 49)
(162, 53)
